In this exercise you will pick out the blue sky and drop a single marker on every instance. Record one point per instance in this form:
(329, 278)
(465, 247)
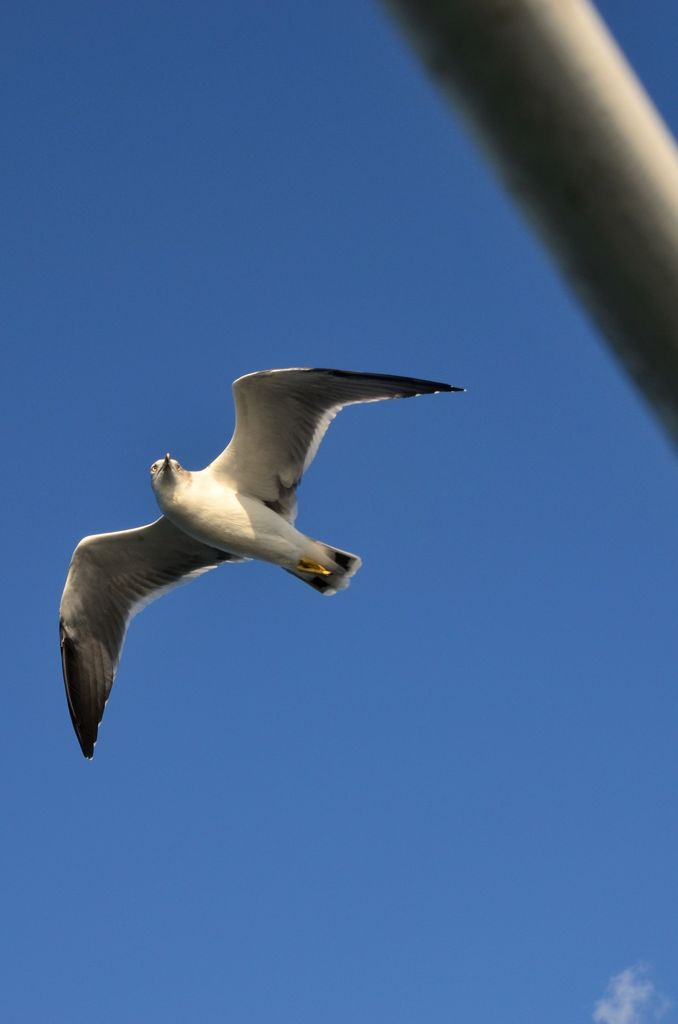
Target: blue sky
(448, 794)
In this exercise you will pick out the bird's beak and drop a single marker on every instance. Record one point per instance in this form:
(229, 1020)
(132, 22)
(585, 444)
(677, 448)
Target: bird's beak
(166, 463)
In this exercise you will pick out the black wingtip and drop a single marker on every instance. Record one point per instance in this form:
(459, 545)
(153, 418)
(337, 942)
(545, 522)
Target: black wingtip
(86, 737)
(86, 742)
(438, 388)
(425, 386)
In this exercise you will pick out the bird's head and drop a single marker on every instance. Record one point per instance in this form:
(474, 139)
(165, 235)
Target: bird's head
(166, 473)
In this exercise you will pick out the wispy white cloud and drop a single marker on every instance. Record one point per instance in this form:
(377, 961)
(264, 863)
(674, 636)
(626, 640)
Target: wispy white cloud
(631, 998)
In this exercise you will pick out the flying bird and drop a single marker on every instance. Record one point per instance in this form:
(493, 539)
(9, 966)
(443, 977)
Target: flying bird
(242, 506)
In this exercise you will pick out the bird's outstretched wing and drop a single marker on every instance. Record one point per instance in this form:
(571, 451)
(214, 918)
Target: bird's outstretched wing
(112, 576)
(282, 416)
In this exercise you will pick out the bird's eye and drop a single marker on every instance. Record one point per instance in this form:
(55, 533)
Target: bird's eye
(154, 467)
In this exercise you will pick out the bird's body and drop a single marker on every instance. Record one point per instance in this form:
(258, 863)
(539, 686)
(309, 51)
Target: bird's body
(241, 506)
(209, 509)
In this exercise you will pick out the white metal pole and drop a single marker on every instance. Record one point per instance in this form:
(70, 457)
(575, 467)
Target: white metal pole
(574, 136)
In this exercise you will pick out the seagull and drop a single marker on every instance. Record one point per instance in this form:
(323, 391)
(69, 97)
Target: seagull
(242, 506)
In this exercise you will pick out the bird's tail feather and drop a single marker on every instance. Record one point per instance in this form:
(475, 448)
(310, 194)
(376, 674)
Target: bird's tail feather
(333, 574)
